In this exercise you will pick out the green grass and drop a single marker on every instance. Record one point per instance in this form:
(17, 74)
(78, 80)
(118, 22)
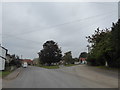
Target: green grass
(68, 65)
(55, 66)
(107, 68)
(49, 67)
(4, 73)
(0, 73)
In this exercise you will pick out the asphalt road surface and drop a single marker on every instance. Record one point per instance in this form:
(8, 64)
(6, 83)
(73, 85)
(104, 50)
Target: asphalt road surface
(70, 77)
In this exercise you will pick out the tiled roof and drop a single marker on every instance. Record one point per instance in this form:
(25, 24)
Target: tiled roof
(27, 60)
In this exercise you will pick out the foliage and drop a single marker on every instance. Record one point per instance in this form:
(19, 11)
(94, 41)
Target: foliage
(15, 61)
(50, 53)
(67, 58)
(5, 73)
(36, 61)
(105, 46)
(83, 55)
(76, 59)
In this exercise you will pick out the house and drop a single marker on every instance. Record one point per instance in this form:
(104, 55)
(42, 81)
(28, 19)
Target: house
(29, 61)
(3, 53)
(83, 60)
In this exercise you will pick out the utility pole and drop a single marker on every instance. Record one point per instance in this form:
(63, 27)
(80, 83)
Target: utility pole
(88, 48)
(21, 56)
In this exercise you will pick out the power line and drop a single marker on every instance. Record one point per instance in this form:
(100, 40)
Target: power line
(66, 23)
(21, 38)
(13, 36)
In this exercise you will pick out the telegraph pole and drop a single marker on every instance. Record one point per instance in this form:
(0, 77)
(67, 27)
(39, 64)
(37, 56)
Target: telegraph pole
(21, 56)
(88, 48)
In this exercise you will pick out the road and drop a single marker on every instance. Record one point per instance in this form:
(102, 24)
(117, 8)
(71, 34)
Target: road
(70, 77)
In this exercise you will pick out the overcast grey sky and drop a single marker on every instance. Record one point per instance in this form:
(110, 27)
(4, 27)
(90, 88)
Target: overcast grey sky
(26, 26)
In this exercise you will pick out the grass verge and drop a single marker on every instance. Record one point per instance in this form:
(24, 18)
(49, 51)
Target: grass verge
(4, 73)
(68, 65)
(0, 73)
(49, 67)
(107, 68)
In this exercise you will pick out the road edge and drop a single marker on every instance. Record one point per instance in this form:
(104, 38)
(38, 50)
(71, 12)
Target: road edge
(13, 77)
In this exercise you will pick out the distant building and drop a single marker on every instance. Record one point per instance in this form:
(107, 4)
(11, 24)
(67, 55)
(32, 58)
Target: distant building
(3, 53)
(83, 57)
(29, 61)
(83, 60)
(36, 61)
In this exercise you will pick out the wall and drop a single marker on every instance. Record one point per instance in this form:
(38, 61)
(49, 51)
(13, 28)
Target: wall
(2, 58)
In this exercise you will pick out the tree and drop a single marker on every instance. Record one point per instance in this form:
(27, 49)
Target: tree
(50, 53)
(100, 45)
(83, 55)
(68, 58)
(76, 59)
(36, 61)
(18, 61)
(15, 61)
(113, 55)
(105, 46)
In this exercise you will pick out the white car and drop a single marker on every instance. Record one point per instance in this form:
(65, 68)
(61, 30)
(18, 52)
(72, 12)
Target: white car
(25, 64)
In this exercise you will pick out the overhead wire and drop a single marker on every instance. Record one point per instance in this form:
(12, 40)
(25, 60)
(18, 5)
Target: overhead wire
(13, 36)
(66, 23)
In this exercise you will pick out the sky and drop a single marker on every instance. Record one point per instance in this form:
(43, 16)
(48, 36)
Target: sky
(26, 26)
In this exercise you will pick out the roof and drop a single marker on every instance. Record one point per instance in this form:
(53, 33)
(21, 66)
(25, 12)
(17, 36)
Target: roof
(83, 59)
(3, 48)
(3, 57)
(27, 60)
(8, 55)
